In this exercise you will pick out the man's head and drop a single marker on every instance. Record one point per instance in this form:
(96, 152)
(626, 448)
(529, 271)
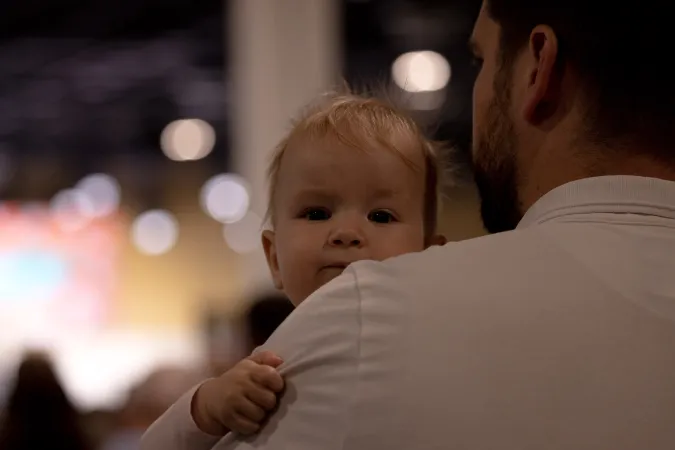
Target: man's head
(561, 95)
(355, 179)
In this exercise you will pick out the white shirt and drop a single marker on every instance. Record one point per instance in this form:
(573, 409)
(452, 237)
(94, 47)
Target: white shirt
(558, 335)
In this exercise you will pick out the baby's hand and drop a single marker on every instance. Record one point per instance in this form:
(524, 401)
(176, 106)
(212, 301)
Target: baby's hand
(239, 399)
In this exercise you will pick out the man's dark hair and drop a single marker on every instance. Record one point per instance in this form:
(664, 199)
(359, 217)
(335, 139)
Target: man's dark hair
(621, 52)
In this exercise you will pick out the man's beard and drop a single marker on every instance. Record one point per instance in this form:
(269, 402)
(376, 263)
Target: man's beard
(494, 163)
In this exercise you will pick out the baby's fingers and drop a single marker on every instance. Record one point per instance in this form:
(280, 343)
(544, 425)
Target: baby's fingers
(263, 397)
(249, 410)
(242, 425)
(268, 377)
(266, 358)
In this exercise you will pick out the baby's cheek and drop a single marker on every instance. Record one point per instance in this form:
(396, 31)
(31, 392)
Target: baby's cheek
(409, 242)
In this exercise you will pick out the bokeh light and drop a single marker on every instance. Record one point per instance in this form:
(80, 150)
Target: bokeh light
(225, 198)
(103, 194)
(423, 71)
(243, 236)
(71, 209)
(187, 140)
(154, 232)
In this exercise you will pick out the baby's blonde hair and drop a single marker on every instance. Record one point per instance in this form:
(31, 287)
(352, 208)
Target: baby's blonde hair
(363, 122)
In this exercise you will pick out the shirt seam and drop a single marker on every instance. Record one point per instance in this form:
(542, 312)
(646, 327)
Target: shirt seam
(607, 222)
(357, 379)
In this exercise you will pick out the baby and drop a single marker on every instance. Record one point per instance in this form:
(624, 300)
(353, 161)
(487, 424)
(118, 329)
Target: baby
(355, 179)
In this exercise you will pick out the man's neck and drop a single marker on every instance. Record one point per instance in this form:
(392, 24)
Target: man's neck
(640, 166)
(552, 174)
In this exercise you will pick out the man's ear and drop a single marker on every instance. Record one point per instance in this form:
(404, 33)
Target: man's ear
(543, 83)
(269, 245)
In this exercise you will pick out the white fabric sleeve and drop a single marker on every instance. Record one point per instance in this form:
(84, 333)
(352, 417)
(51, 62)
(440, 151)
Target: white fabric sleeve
(176, 430)
(319, 343)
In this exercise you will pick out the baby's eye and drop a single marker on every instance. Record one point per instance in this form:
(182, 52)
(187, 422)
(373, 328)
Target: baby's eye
(314, 214)
(381, 217)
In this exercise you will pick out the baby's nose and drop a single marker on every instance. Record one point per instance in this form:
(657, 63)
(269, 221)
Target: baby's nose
(346, 238)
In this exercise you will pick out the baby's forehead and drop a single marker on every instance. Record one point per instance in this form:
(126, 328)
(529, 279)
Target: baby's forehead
(330, 169)
(332, 152)
(354, 142)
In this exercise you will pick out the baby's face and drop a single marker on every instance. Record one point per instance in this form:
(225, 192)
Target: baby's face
(335, 205)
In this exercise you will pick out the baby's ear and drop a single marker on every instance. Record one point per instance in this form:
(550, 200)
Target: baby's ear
(437, 239)
(269, 245)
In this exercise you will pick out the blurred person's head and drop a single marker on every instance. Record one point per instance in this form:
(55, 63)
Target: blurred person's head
(354, 179)
(38, 413)
(264, 316)
(150, 398)
(568, 89)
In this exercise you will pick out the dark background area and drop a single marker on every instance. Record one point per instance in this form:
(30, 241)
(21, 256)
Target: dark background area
(86, 83)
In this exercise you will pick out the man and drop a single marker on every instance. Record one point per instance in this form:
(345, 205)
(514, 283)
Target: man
(559, 334)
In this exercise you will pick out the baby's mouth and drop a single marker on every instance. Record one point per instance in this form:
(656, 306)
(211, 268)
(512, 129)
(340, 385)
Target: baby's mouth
(333, 270)
(336, 266)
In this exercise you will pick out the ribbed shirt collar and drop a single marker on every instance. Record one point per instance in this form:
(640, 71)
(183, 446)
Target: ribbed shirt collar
(608, 194)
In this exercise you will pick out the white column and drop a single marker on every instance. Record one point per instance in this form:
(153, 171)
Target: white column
(283, 54)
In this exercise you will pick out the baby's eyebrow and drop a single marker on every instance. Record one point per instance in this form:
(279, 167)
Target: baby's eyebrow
(315, 190)
(385, 193)
(314, 193)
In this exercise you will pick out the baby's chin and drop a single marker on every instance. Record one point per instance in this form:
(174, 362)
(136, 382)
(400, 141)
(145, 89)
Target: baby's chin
(329, 273)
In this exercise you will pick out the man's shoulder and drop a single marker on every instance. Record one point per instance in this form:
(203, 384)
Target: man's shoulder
(523, 264)
(513, 251)
(328, 319)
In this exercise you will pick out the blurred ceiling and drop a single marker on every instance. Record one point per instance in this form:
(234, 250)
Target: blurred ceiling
(377, 31)
(95, 19)
(85, 81)
(146, 61)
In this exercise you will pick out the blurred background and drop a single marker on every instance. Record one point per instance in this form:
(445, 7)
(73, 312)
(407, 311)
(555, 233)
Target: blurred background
(134, 137)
